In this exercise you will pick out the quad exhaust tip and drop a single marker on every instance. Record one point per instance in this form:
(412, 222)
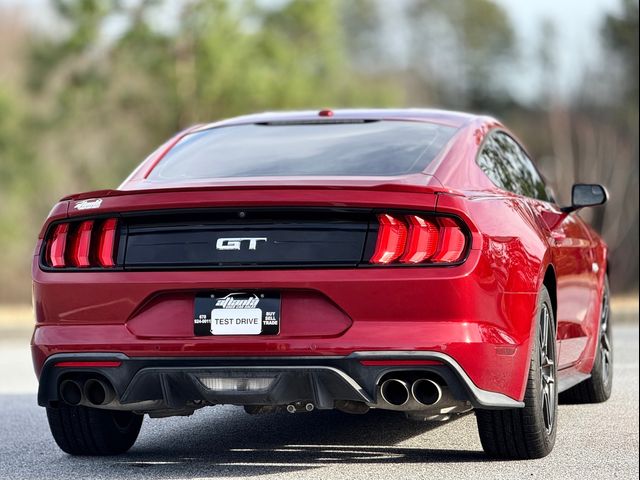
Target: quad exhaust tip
(98, 392)
(426, 392)
(93, 392)
(71, 392)
(395, 392)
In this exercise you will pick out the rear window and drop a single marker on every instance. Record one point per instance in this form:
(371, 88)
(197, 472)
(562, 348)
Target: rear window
(370, 148)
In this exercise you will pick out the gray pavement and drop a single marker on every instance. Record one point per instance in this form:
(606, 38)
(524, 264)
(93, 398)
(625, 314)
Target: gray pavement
(594, 441)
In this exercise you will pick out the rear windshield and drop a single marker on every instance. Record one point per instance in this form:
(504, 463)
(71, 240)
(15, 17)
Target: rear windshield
(371, 148)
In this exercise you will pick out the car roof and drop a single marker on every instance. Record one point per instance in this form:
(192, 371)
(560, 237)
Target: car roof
(445, 117)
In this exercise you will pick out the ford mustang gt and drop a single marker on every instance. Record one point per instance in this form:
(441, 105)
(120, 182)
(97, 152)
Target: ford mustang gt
(407, 260)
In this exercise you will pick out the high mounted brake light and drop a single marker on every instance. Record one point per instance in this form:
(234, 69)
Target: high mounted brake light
(81, 244)
(413, 239)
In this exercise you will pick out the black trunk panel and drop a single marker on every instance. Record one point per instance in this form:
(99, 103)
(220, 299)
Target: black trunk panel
(244, 238)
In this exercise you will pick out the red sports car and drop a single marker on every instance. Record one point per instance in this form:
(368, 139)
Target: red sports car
(408, 260)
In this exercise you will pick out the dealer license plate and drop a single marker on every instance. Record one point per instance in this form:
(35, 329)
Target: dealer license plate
(236, 313)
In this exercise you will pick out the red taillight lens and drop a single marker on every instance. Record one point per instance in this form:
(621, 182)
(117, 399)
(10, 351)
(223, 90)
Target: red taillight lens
(81, 245)
(433, 239)
(423, 240)
(107, 242)
(392, 237)
(57, 245)
(94, 364)
(453, 242)
(76, 245)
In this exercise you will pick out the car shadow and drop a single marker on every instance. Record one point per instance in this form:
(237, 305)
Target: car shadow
(232, 443)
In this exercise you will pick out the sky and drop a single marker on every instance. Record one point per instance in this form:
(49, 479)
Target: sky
(576, 23)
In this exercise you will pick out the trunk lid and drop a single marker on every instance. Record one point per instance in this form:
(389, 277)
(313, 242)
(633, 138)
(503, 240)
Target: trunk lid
(273, 224)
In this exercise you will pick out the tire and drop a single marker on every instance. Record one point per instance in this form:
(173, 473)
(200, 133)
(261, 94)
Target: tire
(528, 432)
(82, 430)
(597, 388)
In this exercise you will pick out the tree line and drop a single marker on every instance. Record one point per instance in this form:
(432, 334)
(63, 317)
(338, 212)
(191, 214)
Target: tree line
(86, 96)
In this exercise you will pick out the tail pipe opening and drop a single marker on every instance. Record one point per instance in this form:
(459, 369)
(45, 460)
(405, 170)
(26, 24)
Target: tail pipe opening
(71, 392)
(98, 392)
(395, 391)
(426, 391)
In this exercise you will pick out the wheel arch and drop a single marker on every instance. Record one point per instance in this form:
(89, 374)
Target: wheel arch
(550, 281)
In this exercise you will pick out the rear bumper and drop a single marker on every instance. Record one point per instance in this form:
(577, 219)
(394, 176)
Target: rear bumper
(462, 312)
(175, 383)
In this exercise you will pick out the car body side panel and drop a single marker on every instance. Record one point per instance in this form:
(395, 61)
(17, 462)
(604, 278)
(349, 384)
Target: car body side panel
(563, 241)
(576, 288)
(513, 250)
(579, 257)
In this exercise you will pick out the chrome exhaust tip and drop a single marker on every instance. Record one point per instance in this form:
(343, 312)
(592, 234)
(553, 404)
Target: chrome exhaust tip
(98, 392)
(71, 392)
(426, 392)
(395, 392)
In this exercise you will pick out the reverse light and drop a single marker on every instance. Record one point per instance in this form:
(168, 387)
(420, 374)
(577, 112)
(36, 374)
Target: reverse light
(392, 237)
(227, 384)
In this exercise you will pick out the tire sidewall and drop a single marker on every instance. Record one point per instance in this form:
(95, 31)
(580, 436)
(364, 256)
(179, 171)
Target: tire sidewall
(548, 438)
(597, 373)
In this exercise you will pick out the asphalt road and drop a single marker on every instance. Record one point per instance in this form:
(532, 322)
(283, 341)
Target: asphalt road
(594, 441)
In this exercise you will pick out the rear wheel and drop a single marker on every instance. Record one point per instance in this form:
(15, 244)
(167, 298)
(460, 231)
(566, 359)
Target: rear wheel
(597, 389)
(90, 431)
(528, 432)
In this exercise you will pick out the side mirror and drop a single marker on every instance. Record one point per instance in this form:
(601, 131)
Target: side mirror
(586, 195)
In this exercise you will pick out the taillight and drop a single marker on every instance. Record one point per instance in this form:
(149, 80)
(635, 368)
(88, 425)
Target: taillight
(453, 242)
(423, 240)
(392, 237)
(417, 239)
(107, 243)
(57, 245)
(81, 245)
(90, 243)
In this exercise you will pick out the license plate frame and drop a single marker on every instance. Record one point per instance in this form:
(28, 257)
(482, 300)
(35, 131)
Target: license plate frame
(242, 313)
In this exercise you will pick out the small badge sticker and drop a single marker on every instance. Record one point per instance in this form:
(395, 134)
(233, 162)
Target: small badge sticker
(88, 204)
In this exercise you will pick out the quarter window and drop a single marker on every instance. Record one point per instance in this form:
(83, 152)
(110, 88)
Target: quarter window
(510, 168)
